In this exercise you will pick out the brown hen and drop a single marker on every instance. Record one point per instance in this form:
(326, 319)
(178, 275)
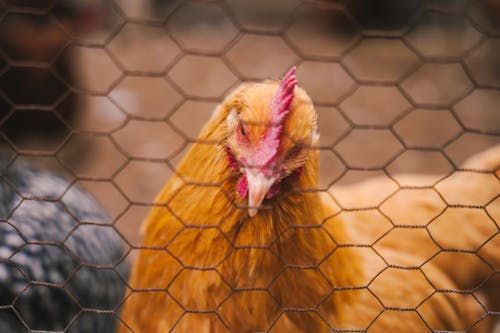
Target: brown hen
(243, 242)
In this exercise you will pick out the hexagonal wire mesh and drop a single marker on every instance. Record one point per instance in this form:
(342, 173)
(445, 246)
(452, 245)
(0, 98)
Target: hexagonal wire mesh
(111, 95)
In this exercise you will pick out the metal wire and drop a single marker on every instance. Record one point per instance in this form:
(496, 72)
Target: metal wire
(400, 87)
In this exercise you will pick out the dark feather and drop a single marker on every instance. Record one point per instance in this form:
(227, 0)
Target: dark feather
(58, 255)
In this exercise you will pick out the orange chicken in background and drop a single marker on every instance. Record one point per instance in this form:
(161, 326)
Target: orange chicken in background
(242, 240)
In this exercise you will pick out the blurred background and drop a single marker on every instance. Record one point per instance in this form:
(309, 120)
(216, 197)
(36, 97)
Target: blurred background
(112, 93)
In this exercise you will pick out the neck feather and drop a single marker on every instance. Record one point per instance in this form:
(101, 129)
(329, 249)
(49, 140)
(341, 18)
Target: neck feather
(204, 223)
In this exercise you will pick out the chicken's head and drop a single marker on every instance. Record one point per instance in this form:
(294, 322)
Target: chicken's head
(271, 126)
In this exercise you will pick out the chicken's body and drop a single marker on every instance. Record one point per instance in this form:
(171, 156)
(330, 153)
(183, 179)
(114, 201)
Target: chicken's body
(207, 266)
(444, 227)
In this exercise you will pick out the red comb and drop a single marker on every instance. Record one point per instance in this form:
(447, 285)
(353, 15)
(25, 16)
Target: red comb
(280, 108)
(280, 105)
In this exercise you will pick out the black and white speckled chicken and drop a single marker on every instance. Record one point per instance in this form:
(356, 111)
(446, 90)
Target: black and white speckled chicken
(60, 260)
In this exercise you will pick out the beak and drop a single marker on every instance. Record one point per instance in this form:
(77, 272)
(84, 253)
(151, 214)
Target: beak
(258, 186)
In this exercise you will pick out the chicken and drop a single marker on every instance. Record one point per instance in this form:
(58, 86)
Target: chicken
(241, 240)
(58, 255)
(447, 227)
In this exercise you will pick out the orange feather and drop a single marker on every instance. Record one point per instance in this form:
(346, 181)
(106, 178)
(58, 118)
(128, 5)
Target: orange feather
(207, 266)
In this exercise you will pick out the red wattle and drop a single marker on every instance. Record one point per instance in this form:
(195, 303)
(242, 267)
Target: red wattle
(273, 190)
(298, 171)
(243, 187)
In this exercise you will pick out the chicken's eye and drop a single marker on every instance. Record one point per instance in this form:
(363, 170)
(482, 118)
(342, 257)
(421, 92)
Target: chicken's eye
(243, 130)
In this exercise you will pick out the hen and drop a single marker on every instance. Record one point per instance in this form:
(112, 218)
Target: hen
(242, 241)
(59, 258)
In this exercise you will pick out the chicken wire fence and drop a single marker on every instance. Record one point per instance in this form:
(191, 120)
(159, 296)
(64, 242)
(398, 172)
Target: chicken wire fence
(110, 96)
